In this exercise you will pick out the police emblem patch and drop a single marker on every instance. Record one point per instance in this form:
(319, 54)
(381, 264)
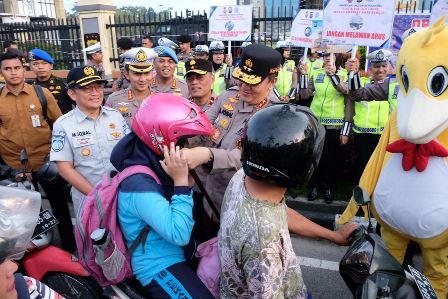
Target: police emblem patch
(85, 152)
(58, 141)
(89, 71)
(141, 56)
(380, 55)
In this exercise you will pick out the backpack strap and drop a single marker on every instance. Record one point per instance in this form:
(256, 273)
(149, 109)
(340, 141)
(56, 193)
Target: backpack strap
(127, 172)
(43, 103)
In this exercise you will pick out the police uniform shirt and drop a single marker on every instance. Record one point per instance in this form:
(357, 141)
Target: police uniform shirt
(185, 56)
(124, 102)
(88, 143)
(228, 114)
(59, 90)
(178, 87)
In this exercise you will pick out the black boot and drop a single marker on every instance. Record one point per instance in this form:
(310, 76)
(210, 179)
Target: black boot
(328, 197)
(312, 194)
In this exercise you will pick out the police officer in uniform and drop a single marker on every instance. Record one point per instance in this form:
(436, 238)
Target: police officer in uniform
(94, 55)
(220, 155)
(201, 52)
(165, 66)
(287, 77)
(221, 68)
(138, 64)
(333, 109)
(41, 63)
(186, 53)
(375, 100)
(200, 79)
(83, 139)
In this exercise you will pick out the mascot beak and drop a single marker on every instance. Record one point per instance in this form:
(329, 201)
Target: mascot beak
(421, 118)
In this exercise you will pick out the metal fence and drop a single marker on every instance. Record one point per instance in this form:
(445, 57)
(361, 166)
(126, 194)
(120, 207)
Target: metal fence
(60, 38)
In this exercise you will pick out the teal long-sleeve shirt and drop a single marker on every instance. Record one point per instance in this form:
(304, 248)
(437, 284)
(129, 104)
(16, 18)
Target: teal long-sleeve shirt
(140, 202)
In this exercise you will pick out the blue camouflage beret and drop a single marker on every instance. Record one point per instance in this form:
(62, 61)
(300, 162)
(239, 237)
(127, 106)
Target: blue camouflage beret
(163, 51)
(38, 54)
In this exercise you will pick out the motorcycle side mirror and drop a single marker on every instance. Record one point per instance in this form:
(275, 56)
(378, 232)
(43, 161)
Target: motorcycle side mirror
(361, 196)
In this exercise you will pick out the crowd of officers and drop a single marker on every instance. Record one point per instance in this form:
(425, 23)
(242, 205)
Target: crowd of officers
(85, 116)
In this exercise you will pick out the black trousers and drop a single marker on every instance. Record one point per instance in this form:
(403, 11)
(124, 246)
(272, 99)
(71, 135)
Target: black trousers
(365, 144)
(56, 195)
(176, 281)
(330, 161)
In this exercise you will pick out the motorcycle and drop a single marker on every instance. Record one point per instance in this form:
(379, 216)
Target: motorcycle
(371, 272)
(49, 264)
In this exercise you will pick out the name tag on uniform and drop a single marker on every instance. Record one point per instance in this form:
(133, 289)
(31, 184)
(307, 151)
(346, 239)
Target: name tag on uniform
(320, 78)
(82, 141)
(35, 120)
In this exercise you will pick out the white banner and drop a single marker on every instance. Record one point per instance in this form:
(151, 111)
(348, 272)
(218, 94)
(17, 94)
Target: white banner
(439, 9)
(306, 29)
(361, 23)
(230, 23)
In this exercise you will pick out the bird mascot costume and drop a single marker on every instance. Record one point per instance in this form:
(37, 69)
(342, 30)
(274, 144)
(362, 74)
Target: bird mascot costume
(407, 174)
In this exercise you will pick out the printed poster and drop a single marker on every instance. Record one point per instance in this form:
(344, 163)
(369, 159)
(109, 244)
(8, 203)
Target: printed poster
(358, 22)
(439, 9)
(306, 29)
(230, 23)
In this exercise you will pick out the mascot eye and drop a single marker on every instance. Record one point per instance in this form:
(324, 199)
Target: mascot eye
(437, 81)
(405, 78)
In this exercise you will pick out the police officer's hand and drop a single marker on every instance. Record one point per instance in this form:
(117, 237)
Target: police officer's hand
(196, 156)
(330, 69)
(229, 59)
(24, 177)
(343, 139)
(352, 65)
(303, 68)
(115, 87)
(175, 165)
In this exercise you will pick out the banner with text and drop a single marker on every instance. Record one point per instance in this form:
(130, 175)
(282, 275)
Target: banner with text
(306, 29)
(230, 23)
(439, 9)
(362, 23)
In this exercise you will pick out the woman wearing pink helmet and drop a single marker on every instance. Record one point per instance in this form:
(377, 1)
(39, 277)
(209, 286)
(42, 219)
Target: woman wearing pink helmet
(160, 126)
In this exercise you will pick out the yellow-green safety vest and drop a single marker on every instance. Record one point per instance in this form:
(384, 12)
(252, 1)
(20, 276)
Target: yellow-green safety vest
(313, 66)
(371, 116)
(284, 78)
(328, 103)
(180, 70)
(219, 86)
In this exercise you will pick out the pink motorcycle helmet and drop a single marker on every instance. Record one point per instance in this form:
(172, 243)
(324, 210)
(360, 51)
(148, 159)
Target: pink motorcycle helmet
(164, 118)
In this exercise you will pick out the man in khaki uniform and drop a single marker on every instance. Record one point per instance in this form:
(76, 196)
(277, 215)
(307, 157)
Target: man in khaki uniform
(220, 154)
(137, 70)
(23, 126)
(165, 66)
(199, 77)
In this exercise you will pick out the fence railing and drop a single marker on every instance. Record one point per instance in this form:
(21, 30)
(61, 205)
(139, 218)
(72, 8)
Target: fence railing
(60, 38)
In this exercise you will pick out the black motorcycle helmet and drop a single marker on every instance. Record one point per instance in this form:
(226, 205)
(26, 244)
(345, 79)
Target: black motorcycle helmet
(282, 145)
(49, 173)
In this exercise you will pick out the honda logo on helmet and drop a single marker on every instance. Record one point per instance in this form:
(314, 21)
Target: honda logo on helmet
(265, 169)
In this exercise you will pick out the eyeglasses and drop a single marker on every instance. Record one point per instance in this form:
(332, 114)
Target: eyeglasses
(89, 88)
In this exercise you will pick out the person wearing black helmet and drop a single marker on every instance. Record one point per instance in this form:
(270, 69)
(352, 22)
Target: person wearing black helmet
(281, 147)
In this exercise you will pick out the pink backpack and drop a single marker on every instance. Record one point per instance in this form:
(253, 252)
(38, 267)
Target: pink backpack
(108, 260)
(209, 268)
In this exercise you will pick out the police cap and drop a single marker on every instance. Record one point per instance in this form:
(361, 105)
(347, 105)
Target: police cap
(83, 76)
(163, 51)
(381, 56)
(139, 59)
(257, 63)
(38, 54)
(198, 66)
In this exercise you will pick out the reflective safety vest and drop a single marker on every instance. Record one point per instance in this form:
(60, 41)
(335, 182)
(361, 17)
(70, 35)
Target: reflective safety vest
(284, 78)
(180, 70)
(328, 103)
(371, 116)
(219, 86)
(313, 66)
